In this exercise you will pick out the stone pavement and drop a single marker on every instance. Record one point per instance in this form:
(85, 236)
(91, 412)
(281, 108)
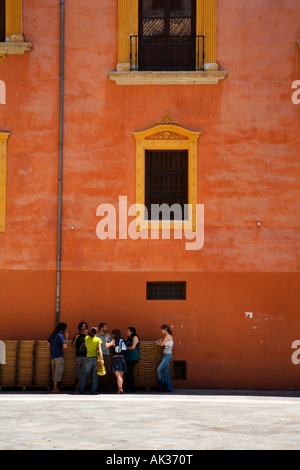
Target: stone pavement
(183, 420)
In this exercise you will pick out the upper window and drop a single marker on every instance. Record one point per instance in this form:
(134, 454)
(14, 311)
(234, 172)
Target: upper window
(2, 20)
(179, 21)
(167, 42)
(167, 35)
(11, 35)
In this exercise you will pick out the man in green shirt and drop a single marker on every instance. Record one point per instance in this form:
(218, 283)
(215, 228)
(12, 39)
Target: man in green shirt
(93, 345)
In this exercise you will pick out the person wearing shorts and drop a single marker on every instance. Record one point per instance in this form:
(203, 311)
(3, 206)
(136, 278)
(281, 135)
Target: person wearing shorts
(57, 343)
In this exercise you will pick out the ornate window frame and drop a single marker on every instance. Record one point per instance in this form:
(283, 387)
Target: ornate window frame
(206, 24)
(167, 135)
(14, 43)
(3, 150)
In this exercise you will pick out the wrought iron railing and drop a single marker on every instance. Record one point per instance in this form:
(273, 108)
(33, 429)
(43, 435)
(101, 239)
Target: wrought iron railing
(167, 53)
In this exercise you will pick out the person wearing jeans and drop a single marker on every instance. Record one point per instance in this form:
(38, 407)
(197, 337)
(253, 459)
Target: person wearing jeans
(163, 374)
(93, 345)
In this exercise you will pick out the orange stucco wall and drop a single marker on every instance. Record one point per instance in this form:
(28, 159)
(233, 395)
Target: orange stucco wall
(248, 167)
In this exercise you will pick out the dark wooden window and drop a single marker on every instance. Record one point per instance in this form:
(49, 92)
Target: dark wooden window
(2, 20)
(166, 182)
(166, 290)
(167, 34)
(179, 370)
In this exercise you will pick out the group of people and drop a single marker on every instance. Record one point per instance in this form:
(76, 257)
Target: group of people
(117, 356)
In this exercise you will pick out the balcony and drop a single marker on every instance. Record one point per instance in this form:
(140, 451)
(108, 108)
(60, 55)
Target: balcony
(167, 53)
(167, 60)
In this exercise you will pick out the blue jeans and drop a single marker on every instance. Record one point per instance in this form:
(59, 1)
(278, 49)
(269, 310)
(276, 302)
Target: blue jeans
(90, 366)
(163, 374)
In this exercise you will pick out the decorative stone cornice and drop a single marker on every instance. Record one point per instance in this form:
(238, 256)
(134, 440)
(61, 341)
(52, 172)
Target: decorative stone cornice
(14, 48)
(167, 78)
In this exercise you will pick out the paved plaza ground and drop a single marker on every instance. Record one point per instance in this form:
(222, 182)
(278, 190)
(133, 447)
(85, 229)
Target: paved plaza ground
(178, 421)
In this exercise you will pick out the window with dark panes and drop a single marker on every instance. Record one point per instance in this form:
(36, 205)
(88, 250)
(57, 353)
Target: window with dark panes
(167, 30)
(166, 184)
(179, 370)
(2, 20)
(166, 290)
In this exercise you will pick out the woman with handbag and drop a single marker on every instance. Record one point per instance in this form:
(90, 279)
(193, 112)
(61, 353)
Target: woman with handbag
(118, 352)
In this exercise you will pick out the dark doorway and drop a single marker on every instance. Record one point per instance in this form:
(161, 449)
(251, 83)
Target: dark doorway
(167, 34)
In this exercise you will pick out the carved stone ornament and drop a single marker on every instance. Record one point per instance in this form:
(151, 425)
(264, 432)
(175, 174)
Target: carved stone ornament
(166, 135)
(166, 129)
(167, 119)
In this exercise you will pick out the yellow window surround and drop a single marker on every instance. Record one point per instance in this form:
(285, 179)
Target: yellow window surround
(166, 135)
(3, 145)
(206, 24)
(14, 42)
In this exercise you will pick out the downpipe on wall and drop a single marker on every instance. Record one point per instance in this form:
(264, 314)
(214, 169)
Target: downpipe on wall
(61, 114)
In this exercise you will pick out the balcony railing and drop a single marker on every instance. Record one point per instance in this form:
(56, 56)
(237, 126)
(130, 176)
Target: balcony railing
(167, 53)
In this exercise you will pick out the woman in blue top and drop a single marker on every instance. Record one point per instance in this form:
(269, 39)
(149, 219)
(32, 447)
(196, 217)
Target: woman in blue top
(132, 357)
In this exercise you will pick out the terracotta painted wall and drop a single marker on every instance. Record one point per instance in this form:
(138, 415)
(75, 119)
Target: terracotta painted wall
(248, 171)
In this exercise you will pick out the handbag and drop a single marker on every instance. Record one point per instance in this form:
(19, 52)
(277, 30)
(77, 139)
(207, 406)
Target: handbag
(100, 365)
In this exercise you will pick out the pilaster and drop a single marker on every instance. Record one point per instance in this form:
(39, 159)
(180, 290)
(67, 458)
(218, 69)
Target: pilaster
(3, 144)
(127, 26)
(14, 21)
(210, 31)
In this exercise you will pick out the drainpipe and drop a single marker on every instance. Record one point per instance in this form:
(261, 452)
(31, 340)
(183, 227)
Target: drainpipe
(61, 102)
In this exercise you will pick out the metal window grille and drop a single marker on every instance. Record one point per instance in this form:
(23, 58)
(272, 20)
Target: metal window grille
(166, 290)
(179, 370)
(166, 183)
(167, 37)
(167, 53)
